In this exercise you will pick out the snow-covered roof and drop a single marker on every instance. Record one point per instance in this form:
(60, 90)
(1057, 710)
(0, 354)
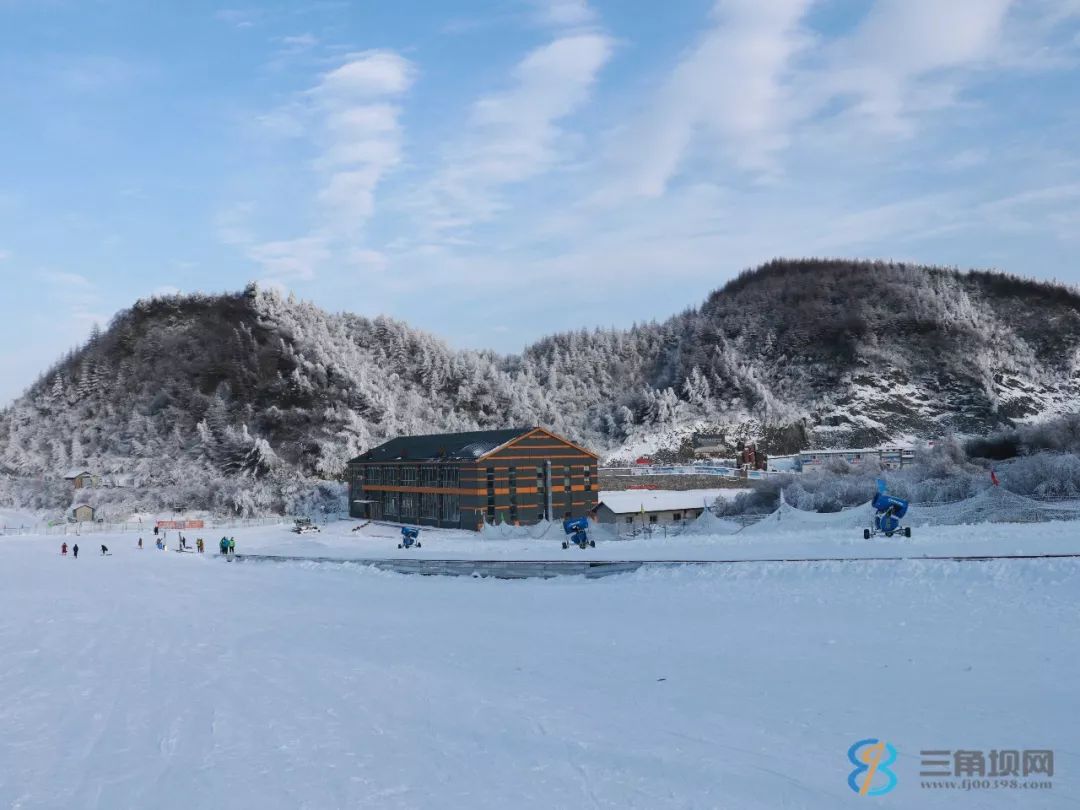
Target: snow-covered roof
(75, 473)
(663, 500)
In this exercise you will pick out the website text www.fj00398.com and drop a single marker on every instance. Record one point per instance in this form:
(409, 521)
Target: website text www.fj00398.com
(987, 784)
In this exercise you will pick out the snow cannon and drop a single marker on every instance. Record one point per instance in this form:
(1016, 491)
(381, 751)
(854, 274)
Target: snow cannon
(888, 511)
(410, 536)
(577, 530)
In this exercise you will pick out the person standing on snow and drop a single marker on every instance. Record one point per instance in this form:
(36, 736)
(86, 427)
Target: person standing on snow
(104, 549)
(232, 547)
(63, 549)
(75, 550)
(140, 543)
(223, 546)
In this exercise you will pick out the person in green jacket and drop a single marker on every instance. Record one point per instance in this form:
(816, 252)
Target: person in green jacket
(232, 547)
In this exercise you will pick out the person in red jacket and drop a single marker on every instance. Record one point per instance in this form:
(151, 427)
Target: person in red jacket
(63, 549)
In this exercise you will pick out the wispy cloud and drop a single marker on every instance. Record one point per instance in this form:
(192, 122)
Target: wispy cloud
(76, 294)
(564, 12)
(515, 134)
(351, 117)
(239, 17)
(359, 134)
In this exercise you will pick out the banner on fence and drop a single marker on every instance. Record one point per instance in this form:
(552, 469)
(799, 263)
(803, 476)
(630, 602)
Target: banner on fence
(699, 469)
(181, 524)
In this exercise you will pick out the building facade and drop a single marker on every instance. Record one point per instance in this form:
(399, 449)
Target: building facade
(634, 511)
(889, 457)
(461, 480)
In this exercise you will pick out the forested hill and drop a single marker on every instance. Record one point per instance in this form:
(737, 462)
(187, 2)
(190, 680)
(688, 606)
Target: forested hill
(236, 399)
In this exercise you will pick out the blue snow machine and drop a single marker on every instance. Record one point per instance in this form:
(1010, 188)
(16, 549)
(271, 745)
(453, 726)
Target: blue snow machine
(410, 536)
(888, 511)
(577, 531)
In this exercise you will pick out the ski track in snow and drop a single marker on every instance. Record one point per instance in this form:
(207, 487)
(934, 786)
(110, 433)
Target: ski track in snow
(150, 679)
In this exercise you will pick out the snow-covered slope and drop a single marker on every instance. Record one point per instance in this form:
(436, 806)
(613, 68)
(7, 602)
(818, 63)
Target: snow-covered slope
(239, 402)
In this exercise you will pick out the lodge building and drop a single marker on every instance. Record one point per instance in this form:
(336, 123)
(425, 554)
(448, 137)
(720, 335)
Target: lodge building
(461, 480)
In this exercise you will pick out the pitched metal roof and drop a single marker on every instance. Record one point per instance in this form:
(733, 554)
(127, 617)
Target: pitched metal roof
(442, 446)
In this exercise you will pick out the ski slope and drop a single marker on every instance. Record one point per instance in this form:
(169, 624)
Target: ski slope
(156, 679)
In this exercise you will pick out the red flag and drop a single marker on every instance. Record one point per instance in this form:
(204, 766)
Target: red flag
(993, 477)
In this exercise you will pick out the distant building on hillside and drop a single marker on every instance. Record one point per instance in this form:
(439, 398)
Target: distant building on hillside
(461, 480)
(889, 457)
(81, 478)
(636, 509)
(782, 463)
(84, 513)
(708, 445)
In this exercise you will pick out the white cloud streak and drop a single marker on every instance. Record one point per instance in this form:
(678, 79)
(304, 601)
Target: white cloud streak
(516, 134)
(351, 115)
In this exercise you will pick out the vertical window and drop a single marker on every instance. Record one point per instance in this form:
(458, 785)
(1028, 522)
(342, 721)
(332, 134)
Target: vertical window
(513, 493)
(588, 478)
(566, 479)
(428, 506)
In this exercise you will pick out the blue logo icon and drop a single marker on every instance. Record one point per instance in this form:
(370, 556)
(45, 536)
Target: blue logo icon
(871, 757)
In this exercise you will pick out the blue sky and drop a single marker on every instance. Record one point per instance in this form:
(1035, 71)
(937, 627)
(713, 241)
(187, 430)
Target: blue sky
(494, 171)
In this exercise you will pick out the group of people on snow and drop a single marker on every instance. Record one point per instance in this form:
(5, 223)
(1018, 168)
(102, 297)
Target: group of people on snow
(75, 550)
(227, 545)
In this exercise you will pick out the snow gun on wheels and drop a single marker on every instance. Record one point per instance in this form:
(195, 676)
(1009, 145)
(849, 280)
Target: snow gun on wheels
(888, 512)
(577, 531)
(410, 537)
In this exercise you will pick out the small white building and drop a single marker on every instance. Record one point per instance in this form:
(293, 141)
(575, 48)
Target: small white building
(80, 478)
(636, 509)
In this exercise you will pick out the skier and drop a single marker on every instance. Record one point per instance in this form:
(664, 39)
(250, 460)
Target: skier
(63, 549)
(232, 547)
(104, 549)
(155, 531)
(140, 544)
(223, 546)
(199, 546)
(75, 550)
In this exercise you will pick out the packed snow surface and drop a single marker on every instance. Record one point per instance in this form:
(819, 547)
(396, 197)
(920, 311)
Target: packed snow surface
(150, 679)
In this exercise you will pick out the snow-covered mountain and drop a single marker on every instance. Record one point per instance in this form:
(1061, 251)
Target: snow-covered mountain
(236, 400)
